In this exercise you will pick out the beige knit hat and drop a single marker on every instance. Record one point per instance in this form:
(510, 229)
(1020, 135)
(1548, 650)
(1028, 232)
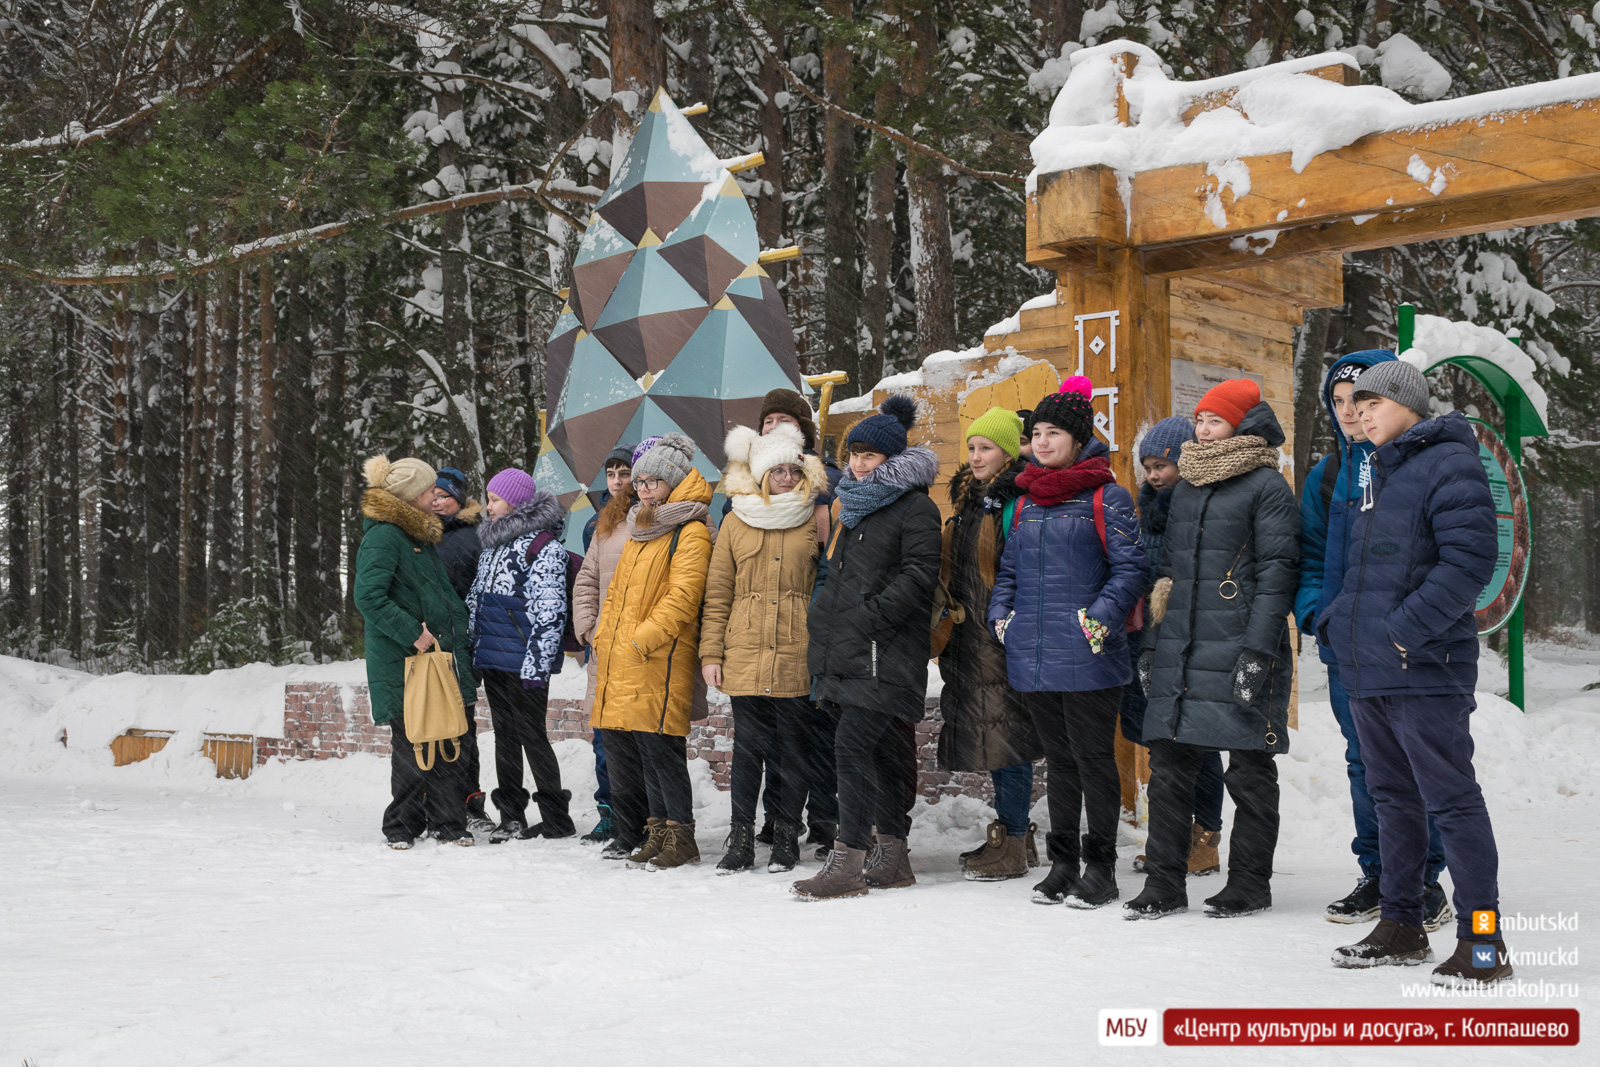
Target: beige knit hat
(405, 478)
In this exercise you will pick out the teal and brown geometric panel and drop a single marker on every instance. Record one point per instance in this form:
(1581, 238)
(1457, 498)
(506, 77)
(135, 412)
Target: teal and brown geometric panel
(671, 323)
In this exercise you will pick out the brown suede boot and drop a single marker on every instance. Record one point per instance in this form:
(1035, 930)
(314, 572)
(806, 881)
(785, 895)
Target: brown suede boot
(655, 831)
(1203, 858)
(1032, 845)
(1003, 857)
(678, 847)
(888, 865)
(840, 876)
(988, 835)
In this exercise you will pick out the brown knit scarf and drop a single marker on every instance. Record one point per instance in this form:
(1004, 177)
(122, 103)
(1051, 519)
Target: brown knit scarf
(646, 522)
(1204, 462)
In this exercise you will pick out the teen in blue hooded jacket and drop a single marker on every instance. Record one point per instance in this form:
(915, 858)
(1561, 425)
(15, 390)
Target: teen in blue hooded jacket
(1422, 546)
(1332, 492)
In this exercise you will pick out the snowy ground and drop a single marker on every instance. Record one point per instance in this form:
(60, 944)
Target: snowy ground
(153, 914)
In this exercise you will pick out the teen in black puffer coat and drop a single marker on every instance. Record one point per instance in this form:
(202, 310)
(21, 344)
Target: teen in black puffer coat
(1222, 664)
(1243, 529)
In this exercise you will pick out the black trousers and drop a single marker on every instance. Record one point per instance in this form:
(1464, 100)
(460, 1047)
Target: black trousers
(423, 800)
(774, 733)
(630, 804)
(519, 730)
(668, 794)
(1251, 779)
(822, 801)
(1079, 735)
(471, 771)
(869, 751)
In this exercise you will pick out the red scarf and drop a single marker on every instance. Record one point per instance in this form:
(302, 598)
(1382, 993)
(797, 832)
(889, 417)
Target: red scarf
(1050, 486)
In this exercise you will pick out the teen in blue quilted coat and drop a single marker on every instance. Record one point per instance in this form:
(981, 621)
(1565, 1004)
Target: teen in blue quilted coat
(1060, 606)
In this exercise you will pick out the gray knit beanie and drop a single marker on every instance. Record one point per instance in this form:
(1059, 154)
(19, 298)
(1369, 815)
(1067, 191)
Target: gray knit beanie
(670, 459)
(1398, 381)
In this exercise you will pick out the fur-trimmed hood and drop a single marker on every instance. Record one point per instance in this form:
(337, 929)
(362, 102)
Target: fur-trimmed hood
(966, 491)
(471, 514)
(380, 505)
(738, 481)
(915, 468)
(542, 512)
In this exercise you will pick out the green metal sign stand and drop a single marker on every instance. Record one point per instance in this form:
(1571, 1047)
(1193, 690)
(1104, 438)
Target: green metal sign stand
(1521, 420)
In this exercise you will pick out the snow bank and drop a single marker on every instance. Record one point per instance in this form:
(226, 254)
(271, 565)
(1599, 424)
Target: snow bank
(40, 702)
(1274, 109)
(1437, 339)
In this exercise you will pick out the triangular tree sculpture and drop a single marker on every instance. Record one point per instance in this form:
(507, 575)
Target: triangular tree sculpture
(671, 324)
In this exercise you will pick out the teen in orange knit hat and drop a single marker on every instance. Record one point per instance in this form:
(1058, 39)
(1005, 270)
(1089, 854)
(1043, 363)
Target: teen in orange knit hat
(1231, 399)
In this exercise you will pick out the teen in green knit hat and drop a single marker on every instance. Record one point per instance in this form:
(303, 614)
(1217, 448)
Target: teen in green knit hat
(1001, 426)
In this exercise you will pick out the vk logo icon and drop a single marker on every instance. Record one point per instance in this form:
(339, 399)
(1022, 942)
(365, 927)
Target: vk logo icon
(1483, 956)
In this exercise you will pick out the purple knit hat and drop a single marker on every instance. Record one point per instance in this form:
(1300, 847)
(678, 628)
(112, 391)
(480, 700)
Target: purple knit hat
(644, 446)
(514, 486)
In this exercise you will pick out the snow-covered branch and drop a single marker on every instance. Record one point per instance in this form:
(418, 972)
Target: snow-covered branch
(163, 270)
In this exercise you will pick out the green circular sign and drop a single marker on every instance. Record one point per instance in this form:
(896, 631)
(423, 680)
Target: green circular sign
(1500, 597)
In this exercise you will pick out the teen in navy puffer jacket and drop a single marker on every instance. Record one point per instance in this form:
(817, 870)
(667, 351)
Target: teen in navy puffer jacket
(1056, 581)
(1422, 547)
(518, 609)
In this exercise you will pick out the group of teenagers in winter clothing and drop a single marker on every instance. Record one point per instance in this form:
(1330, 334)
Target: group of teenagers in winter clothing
(1059, 613)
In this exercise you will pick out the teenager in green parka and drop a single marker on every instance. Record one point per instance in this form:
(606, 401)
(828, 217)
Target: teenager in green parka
(409, 606)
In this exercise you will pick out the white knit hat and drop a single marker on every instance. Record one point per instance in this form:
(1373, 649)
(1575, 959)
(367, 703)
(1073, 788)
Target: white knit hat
(404, 478)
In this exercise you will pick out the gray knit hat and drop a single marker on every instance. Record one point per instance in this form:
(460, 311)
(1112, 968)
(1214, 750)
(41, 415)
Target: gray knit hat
(1398, 381)
(670, 459)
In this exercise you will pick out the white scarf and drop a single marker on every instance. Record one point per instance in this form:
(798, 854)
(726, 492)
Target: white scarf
(786, 511)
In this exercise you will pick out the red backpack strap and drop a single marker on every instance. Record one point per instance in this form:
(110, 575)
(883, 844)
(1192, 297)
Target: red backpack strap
(1100, 518)
(1016, 512)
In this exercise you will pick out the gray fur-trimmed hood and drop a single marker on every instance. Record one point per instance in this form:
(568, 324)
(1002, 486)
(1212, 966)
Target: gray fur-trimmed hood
(542, 513)
(915, 468)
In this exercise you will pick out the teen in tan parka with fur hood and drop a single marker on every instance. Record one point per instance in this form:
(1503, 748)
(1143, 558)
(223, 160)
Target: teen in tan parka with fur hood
(753, 648)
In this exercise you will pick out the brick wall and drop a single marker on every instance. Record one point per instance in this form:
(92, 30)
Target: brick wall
(323, 720)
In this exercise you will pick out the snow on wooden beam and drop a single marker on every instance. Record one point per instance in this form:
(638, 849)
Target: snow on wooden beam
(739, 164)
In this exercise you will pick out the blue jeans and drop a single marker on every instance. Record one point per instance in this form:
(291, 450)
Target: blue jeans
(1013, 796)
(1365, 843)
(1419, 771)
(602, 778)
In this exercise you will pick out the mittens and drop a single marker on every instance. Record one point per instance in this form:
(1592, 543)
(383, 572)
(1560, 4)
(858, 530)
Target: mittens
(1147, 662)
(1249, 675)
(1000, 626)
(1094, 630)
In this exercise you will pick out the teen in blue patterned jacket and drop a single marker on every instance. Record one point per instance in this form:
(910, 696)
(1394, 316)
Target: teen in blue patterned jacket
(518, 607)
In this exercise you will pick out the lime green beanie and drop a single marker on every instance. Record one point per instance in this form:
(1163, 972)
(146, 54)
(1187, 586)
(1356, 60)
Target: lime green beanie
(1001, 426)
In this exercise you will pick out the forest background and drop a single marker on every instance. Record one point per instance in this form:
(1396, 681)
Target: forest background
(247, 243)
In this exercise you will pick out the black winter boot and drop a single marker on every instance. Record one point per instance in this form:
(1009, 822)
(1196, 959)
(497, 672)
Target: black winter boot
(785, 847)
(602, 831)
(1063, 874)
(1152, 903)
(1236, 901)
(478, 821)
(823, 833)
(765, 836)
(1389, 944)
(512, 827)
(1361, 905)
(741, 853)
(1436, 909)
(1098, 886)
(1470, 966)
